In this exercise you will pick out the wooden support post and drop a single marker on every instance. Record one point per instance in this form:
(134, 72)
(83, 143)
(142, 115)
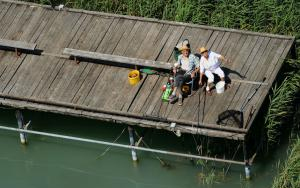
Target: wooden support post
(131, 139)
(21, 125)
(17, 52)
(246, 159)
(76, 60)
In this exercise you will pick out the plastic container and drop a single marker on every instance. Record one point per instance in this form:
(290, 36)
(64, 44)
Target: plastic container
(220, 87)
(247, 172)
(134, 77)
(167, 93)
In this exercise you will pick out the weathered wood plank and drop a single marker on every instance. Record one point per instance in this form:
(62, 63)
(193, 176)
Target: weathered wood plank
(116, 59)
(33, 23)
(66, 75)
(273, 75)
(10, 71)
(131, 52)
(154, 99)
(99, 67)
(19, 24)
(47, 77)
(145, 46)
(7, 18)
(159, 40)
(167, 51)
(238, 100)
(29, 75)
(42, 28)
(253, 60)
(4, 9)
(112, 38)
(88, 84)
(61, 34)
(17, 44)
(72, 86)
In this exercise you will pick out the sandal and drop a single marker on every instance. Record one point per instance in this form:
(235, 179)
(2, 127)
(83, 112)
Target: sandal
(173, 99)
(209, 92)
(180, 101)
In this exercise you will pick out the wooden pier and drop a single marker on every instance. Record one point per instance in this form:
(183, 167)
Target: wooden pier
(44, 78)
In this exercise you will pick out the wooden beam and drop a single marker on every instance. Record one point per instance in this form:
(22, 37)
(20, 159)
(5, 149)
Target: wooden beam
(17, 44)
(117, 59)
(121, 120)
(135, 116)
(118, 118)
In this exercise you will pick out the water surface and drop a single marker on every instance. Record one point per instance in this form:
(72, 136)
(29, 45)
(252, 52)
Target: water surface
(51, 162)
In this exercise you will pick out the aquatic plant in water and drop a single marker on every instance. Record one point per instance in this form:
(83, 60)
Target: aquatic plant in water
(290, 170)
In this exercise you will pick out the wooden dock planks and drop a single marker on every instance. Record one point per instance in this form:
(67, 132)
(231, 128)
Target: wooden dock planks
(54, 78)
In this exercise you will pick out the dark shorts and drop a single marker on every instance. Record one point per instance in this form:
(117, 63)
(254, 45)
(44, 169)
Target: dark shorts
(181, 78)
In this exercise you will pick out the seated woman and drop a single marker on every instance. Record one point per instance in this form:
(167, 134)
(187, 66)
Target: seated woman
(209, 64)
(184, 70)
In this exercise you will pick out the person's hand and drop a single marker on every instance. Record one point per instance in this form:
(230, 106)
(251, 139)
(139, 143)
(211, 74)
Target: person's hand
(192, 74)
(174, 70)
(200, 83)
(227, 60)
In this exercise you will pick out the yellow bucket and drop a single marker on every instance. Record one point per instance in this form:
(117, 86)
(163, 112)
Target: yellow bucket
(134, 77)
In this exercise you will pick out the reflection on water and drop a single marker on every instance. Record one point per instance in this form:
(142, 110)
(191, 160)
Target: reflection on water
(51, 162)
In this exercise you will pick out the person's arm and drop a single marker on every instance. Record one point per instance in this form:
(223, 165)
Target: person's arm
(197, 65)
(200, 80)
(176, 65)
(223, 59)
(201, 70)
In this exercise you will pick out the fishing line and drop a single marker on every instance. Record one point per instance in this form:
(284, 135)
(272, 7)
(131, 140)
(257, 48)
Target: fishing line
(249, 97)
(108, 148)
(162, 162)
(232, 158)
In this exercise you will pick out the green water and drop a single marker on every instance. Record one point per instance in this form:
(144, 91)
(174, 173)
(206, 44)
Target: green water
(51, 162)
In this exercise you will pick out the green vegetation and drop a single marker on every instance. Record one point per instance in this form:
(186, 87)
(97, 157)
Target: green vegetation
(273, 16)
(281, 106)
(289, 175)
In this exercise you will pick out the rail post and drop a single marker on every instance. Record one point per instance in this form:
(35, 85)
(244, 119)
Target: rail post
(246, 160)
(21, 125)
(131, 139)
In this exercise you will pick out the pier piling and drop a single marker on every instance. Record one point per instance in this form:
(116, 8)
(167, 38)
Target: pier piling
(131, 139)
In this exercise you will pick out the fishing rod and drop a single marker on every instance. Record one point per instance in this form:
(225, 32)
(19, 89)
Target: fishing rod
(249, 97)
(246, 102)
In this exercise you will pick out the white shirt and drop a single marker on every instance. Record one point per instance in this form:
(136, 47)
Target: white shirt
(211, 63)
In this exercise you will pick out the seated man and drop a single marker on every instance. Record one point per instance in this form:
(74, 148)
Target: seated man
(209, 64)
(184, 70)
